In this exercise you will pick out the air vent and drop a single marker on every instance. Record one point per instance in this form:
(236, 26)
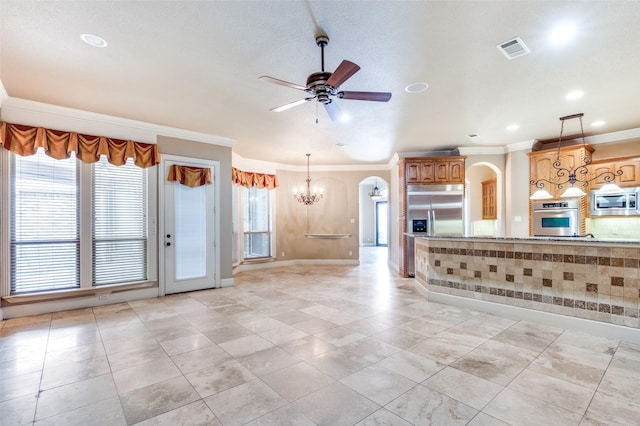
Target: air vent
(513, 48)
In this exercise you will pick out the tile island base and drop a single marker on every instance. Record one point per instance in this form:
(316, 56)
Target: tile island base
(577, 283)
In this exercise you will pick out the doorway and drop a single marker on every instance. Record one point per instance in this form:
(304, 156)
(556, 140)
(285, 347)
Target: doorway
(382, 224)
(188, 226)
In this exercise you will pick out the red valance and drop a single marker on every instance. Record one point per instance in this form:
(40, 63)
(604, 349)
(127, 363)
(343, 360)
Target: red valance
(25, 140)
(251, 179)
(189, 176)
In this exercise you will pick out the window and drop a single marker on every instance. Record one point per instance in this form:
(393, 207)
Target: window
(45, 243)
(257, 222)
(119, 243)
(54, 217)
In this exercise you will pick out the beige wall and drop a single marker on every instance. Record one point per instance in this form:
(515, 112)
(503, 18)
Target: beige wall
(222, 154)
(331, 215)
(517, 194)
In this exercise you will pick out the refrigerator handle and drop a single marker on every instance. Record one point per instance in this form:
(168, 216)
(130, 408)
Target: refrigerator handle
(433, 221)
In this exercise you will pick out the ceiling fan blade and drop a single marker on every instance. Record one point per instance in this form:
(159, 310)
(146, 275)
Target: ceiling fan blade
(345, 70)
(281, 82)
(366, 96)
(333, 110)
(291, 105)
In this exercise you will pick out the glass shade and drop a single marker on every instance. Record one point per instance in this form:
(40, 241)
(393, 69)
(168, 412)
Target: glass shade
(609, 188)
(541, 194)
(572, 191)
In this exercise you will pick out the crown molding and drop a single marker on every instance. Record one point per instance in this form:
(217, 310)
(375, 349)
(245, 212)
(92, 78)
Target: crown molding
(482, 150)
(618, 136)
(32, 113)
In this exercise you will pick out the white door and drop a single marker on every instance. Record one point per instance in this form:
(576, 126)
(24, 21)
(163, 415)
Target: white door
(188, 223)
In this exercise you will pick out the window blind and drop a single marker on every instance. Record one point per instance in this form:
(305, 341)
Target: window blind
(119, 223)
(44, 224)
(257, 223)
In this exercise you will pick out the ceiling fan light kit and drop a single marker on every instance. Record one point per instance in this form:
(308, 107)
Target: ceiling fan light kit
(324, 87)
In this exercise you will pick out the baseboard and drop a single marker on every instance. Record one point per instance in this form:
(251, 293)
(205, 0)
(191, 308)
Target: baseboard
(284, 263)
(226, 282)
(611, 331)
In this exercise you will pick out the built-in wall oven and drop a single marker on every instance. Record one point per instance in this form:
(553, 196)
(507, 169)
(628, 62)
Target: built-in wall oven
(556, 218)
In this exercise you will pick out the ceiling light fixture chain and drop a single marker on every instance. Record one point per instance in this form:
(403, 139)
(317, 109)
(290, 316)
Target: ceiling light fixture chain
(573, 174)
(307, 198)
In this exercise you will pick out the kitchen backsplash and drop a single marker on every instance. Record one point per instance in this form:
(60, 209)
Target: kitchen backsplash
(614, 227)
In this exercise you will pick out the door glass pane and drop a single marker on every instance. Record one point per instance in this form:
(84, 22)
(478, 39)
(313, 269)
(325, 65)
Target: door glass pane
(381, 223)
(190, 239)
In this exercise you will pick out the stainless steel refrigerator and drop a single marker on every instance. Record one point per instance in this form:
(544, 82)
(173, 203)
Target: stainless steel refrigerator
(433, 210)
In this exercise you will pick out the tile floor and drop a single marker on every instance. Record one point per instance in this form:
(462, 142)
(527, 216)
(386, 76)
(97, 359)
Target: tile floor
(326, 345)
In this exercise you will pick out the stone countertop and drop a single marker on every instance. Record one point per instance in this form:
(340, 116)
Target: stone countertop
(534, 240)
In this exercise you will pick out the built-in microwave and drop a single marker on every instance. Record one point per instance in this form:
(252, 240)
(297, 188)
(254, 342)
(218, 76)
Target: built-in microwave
(623, 203)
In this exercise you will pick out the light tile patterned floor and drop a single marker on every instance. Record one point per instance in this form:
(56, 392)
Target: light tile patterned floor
(325, 345)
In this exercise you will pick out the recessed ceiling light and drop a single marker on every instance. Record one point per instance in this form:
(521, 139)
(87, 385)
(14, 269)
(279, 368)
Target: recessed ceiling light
(94, 40)
(416, 87)
(562, 34)
(576, 94)
(599, 123)
(341, 145)
(512, 127)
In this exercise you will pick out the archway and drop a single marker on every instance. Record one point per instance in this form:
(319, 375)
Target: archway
(484, 184)
(373, 212)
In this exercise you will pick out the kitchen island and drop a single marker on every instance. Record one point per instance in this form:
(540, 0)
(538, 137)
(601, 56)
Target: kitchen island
(571, 279)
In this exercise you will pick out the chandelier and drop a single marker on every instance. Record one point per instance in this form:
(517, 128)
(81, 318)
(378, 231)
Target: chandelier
(573, 174)
(375, 194)
(307, 198)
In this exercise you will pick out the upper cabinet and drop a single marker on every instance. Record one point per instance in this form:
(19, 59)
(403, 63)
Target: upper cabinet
(541, 166)
(630, 167)
(489, 210)
(434, 170)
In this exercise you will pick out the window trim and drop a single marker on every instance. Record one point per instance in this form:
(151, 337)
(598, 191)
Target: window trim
(270, 231)
(85, 172)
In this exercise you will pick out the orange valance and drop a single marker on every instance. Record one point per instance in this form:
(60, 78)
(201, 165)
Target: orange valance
(250, 179)
(189, 176)
(25, 140)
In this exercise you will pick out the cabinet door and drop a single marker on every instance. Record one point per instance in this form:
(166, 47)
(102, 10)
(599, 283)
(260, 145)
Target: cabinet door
(412, 171)
(427, 172)
(489, 200)
(541, 167)
(630, 172)
(441, 172)
(456, 171)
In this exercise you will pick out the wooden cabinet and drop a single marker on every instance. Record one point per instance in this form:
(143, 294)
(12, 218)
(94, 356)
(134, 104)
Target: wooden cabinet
(489, 200)
(541, 166)
(630, 167)
(434, 170)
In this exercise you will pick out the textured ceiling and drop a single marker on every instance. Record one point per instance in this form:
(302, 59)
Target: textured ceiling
(195, 65)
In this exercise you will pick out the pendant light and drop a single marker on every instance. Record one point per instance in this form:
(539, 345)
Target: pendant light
(573, 174)
(375, 195)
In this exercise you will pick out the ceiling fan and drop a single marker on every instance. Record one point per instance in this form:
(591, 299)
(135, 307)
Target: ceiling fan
(324, 86)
